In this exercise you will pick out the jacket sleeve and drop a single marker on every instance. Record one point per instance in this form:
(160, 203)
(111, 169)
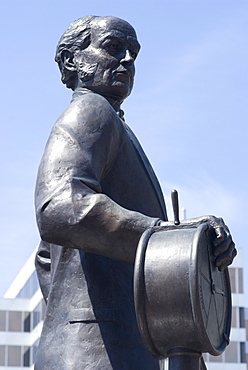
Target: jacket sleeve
(71, 209)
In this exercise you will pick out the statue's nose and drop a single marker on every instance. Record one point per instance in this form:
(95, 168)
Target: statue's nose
(127, 59)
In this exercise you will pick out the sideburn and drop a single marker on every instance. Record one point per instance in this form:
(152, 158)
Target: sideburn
(86, 71)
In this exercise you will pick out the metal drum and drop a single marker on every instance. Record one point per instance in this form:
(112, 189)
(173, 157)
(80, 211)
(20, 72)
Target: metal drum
(182, 300)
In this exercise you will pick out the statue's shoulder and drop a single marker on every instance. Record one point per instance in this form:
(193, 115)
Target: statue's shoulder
(89, 116)
(89, 110)
(89, 97)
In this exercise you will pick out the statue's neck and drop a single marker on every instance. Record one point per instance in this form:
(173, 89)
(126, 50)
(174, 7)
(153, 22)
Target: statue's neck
(112, 101)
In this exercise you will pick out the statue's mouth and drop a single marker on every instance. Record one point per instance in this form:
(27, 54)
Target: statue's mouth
(123, 75)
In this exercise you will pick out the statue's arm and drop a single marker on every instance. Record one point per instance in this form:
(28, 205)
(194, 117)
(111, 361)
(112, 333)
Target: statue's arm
(71, 209)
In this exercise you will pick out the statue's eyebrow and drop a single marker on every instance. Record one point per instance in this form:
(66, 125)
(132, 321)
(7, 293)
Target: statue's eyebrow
(113, 34)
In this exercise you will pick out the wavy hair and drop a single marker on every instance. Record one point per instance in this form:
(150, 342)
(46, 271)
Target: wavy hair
(76, 37)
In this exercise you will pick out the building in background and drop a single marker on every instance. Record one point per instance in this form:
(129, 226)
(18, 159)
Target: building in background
(234, 357)
(22, 311)
(21, 315)
(246, 327)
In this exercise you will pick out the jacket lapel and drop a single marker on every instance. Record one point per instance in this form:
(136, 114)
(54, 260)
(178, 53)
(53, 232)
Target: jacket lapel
(148, 168)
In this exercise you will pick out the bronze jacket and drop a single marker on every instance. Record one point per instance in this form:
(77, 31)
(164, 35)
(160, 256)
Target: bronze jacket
(96, 193)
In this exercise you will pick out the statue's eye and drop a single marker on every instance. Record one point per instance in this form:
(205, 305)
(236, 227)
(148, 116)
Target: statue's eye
(113, 46)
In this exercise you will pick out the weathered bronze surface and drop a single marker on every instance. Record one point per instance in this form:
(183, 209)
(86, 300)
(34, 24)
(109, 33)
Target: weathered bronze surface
(96, 194)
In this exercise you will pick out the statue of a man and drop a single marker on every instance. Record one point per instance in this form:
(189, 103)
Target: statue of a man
(96, 194)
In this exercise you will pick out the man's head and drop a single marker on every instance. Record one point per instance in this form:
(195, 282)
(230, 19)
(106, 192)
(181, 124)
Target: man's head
(98, 53)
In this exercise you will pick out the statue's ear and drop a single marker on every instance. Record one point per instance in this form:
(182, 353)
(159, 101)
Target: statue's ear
(67, 59)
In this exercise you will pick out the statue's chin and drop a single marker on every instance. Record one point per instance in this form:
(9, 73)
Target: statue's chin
(121, 89)
(118, 91)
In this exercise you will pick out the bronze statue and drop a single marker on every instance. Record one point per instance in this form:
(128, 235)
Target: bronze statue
(96, 194)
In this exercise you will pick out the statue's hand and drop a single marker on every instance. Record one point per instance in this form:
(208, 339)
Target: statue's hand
(224, 247)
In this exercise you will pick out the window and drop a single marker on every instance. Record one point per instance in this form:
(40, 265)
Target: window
(232, 279)
(2, 355)
(242, 352)
(240, 280)
(37, 315)
(234, 317)
(31, 286)
(2, 320)
(34, 351)
(26, 322)
(231, 353)
(241, 317)
(14, 356)
(246, 326)
(215, 358)
(15, 321)
(26, 357)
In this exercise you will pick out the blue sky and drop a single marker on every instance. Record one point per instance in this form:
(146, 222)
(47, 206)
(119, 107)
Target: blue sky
(188, 108)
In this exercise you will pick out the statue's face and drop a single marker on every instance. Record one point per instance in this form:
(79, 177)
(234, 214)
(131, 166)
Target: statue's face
(111, 55)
